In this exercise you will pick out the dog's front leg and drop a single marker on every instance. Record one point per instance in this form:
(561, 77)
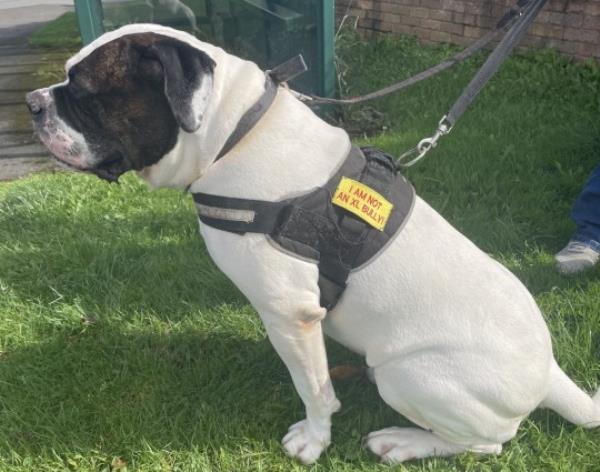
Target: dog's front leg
(284, 291)
(299, 342)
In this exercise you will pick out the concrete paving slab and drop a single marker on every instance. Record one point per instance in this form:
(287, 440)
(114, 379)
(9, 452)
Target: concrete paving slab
(20, 69)
(16, 74)
(8, 126)
(15, 138)
(25, 150)
(17, 97)
(11, 83)
(15, 117)
(14, 35)
(20, 152)
(8, 60)
(9, 4)
(15, 14)
(12, 49)
(11, 169)
(15, 102)
(30, 62)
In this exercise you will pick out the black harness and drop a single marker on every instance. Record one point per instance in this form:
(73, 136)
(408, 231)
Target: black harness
(341, 226)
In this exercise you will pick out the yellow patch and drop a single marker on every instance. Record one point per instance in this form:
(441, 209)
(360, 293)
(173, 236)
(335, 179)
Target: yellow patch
(364, 202)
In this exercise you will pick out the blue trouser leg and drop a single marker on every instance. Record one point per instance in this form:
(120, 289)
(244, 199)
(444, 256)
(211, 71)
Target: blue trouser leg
(586, 212)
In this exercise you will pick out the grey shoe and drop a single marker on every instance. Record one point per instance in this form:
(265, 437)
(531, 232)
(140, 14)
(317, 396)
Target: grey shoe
(576, 257)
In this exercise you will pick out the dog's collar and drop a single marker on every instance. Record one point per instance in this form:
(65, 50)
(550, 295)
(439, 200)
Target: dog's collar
(273, 78)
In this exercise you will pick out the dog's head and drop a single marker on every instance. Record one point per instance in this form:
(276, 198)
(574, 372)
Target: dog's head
(124, 103)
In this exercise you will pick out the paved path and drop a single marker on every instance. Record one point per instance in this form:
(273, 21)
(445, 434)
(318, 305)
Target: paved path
(23, 12)
(20, 151)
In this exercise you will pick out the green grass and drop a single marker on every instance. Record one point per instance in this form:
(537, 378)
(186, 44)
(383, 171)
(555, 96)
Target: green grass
(124, 346)
(62, 33)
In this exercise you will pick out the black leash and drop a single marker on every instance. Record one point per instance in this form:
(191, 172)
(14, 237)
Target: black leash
(487, 71)
(509, 18)
(494, 61)
(516, 21)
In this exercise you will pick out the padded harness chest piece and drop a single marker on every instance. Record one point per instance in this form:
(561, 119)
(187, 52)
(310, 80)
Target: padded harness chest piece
(341, 226)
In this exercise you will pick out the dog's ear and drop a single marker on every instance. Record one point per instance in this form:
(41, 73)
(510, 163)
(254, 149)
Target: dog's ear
(187, 73)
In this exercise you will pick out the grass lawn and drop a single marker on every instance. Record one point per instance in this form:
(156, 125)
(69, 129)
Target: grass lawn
(123, 347)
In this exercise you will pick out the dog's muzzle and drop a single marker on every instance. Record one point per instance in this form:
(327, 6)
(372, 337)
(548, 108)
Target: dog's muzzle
(37, 103)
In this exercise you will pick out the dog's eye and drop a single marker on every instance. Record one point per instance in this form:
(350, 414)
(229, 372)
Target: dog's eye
(74, 89)
(77, 85)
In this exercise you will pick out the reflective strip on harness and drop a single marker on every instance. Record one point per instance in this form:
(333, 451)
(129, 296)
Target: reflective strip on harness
(246, 216)
(315, 226)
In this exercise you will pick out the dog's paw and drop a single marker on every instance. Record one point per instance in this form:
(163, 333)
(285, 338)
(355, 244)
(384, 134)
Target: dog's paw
(306, 442)
(395, 445)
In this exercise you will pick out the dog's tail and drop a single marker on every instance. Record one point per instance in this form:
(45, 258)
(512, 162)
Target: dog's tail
(569, 401)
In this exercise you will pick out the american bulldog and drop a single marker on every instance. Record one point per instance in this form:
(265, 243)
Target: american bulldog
(453, 340)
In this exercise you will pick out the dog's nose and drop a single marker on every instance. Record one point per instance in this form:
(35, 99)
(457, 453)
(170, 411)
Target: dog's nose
(34, 102)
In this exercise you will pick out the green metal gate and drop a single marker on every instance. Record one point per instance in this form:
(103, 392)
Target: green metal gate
(267, 32)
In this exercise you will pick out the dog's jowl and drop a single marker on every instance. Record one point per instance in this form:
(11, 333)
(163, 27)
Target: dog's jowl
(454, 341)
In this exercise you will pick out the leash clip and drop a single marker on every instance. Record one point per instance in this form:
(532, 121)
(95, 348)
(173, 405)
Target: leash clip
(426, 144)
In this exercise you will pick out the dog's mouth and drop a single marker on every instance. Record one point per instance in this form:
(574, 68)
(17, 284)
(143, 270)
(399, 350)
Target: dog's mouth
(66, 154)
(111, 169)
(70, 156)
(66, 165)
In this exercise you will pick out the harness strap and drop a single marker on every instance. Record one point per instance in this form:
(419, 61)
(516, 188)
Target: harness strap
(331, 287)
(239, 215)
(242, 216)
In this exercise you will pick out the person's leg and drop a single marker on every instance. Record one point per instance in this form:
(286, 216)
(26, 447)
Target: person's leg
(586, 211)
(583, 250)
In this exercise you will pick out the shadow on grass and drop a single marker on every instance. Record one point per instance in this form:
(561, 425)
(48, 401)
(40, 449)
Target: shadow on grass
(159, 368)
(151, 261)
(103, 385)
(109, 393)
(118, 392)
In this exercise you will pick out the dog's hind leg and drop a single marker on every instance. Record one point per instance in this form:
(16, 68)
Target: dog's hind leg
(395, 445)
(569, 401)
(453, 418)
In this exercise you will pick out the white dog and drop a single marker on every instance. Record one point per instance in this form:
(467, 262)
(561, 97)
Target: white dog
(455, 342)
